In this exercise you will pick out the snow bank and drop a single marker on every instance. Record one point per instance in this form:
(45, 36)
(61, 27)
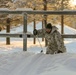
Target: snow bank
(24, 63)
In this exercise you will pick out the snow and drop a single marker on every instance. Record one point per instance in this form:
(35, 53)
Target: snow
(4, 9)
(67, 30)
(23, 9)
(13, 61)
(24, 63)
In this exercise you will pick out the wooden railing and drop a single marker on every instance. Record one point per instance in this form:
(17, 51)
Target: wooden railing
(25, 14)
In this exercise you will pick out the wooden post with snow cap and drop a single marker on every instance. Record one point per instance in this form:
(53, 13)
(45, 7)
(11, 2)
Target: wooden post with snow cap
(24, 32)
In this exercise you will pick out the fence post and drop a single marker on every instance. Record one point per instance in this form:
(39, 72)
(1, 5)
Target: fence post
(34, 27)
(62, 19)
(24, 32)
(62, 24)
(45, 17)
(8, 31)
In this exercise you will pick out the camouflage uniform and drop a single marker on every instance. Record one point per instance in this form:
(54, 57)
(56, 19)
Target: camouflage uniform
(54, 39)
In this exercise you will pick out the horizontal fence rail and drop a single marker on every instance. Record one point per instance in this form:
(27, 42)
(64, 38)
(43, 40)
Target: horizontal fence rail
(16, 35)
(69, 35)
(66, 12)
(23, 35)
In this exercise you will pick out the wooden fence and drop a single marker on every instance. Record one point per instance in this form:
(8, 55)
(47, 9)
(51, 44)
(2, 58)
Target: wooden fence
(25, 14)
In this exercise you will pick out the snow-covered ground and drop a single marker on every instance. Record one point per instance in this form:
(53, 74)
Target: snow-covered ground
(13, 61)
(24, 63)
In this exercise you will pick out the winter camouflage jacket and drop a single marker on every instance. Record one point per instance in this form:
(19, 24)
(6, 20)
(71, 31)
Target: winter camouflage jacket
(54, 39)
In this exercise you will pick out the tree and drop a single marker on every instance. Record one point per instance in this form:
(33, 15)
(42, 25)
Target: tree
(39, 5)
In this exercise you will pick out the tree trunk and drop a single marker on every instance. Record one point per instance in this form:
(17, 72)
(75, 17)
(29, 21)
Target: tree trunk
(8, 31)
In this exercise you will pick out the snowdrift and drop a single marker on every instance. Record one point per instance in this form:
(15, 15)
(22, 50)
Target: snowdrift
(24, 63)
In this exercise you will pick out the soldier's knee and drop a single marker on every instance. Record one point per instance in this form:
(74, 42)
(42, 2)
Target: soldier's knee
(49, 51)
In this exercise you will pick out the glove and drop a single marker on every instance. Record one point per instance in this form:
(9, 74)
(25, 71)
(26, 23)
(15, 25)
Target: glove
(35, 32)
(59, 51)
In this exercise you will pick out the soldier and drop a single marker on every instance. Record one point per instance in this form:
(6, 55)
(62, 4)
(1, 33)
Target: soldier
(53, 37)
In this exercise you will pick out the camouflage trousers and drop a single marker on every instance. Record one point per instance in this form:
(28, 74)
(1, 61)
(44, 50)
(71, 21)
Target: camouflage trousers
(50, 51)
(55, 51)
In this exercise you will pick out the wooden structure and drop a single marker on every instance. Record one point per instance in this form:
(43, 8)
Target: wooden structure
(8, 30)
(45, 18)
(25, 13)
